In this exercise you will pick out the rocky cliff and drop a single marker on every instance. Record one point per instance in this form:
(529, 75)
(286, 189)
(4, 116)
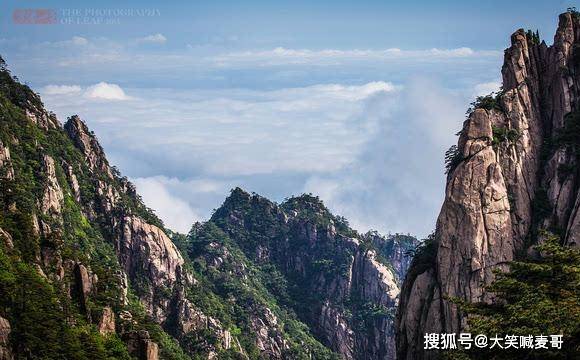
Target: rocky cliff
(87, 271)
(343, 285)
(512, 174)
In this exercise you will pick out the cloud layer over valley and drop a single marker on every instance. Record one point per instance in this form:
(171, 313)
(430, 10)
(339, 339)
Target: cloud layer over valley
(187, 119)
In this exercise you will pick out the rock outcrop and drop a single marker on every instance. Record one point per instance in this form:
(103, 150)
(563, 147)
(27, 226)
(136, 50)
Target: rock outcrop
(7, 239)
(5, 352)
(145, 250)
(514, 174)
(83, 286)
(141, 346)
(269, 339)
(6, 170)
(88, 144)
(107, 322)
(395, 249)
(53, 197)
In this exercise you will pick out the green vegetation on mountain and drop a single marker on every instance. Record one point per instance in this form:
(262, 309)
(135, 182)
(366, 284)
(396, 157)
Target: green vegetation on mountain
(45, 320)
(87, 272)
(239, 290)
(487, 102)
(312, 255)
(537, 296)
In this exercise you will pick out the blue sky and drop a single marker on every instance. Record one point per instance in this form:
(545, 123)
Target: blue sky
(354, 101)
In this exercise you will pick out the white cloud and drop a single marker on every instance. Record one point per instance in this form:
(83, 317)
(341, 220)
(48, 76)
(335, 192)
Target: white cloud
(396, 183)
(105, 91)
(486, 88)
(179, 203)
(459, 52)
(61, 89)
(79, 41)
(281, 56)
(156, 39)
(75, 41)
(316, 128)
(205, 59)
(176, 213)
(372, 151)
(353, 93)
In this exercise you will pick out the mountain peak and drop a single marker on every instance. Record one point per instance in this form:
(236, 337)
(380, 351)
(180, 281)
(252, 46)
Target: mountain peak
(238, 193)
(86, 141)
(305, 202)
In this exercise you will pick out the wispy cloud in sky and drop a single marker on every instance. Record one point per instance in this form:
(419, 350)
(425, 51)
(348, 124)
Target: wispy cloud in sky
(156, 39)
(232, 132)
(61, 89)
(283, 56)
(371, 149)
(400, 166)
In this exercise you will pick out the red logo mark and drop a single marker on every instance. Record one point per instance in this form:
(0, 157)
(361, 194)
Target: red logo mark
(34, 16)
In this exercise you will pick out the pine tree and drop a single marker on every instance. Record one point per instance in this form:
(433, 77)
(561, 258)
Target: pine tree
(538, 296)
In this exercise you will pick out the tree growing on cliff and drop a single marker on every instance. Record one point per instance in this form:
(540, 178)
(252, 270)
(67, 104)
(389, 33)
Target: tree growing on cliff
(538, 296)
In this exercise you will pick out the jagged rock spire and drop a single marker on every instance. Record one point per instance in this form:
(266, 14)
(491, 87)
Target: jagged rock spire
(490, 211)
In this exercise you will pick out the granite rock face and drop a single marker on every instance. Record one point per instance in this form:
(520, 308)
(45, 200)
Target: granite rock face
(107, 322)
(396, 249)
(144, 249)
(7, 239)
(6, 169)
(511, 160)
(5, 352)
(53, 196)
(150, 261)
(88, 144)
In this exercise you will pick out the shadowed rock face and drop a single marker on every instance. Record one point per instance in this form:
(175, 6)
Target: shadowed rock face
(496, 198)
(395, 249)
(141, 346)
